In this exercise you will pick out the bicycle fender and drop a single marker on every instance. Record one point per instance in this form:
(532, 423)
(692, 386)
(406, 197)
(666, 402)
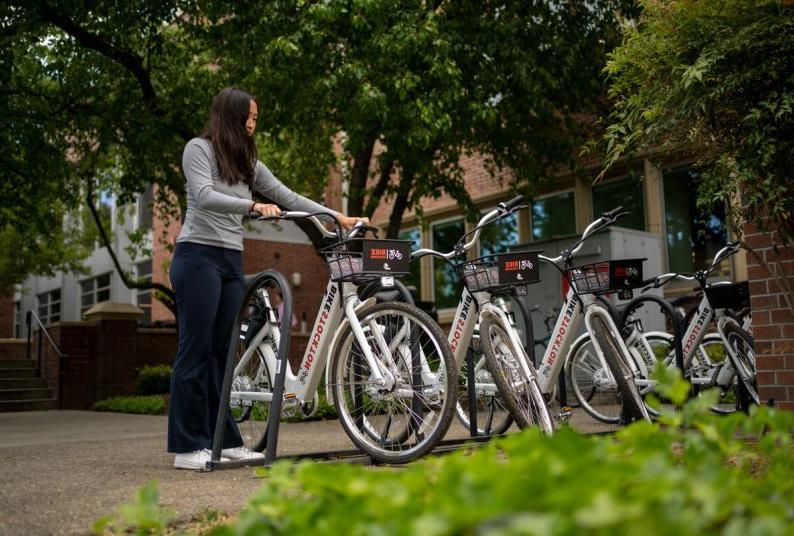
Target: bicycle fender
(366, 304)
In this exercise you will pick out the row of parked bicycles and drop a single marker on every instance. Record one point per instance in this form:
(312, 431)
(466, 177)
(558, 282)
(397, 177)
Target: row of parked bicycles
(397, 380)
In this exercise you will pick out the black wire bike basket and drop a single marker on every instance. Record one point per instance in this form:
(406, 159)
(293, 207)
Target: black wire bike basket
(367, 258)
(733, 296)
(606, 276)
(500, 272)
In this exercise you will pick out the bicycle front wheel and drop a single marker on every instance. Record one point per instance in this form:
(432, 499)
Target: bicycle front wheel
(493, 417)
(633, 403)
(404, 417)
(521, 394)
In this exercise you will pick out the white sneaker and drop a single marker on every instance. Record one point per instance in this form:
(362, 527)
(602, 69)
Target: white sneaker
(242, 453)
(195, 460)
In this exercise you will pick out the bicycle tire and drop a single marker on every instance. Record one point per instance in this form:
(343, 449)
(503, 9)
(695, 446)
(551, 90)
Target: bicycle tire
(727, 392)
(490, 408)
(743, 360)
(525, 401)
(352, 395)
(581, 366)
(633, 403)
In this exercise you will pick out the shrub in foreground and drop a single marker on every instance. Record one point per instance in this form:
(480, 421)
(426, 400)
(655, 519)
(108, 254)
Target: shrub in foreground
(690, 473)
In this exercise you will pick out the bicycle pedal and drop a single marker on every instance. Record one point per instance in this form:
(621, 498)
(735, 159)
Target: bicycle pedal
(566, 412)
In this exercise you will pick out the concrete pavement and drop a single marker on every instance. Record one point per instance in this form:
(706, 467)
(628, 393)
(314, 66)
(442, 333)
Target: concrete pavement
(62, 470)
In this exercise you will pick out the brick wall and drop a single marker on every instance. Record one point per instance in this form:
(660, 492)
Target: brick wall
(773, 318)
(6, 317)
(103, 358)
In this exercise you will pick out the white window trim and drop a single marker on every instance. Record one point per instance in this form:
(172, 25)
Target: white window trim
(94, 291)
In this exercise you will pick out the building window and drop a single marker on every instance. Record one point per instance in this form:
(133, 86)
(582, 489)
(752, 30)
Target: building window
(49, 306)
(446, 285)
(553, 216)
(500, 236)
(145, 200)
(415, 279)
(694, 235)
(626, 193)
(143, 297)
(17, 319)
(93, 291)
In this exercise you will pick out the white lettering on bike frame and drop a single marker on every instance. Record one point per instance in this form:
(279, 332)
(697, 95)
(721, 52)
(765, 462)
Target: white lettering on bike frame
(462, 327)
(560, 342)
(696, 331)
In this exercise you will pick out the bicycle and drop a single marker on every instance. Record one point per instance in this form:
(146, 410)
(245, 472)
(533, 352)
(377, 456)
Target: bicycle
(389, 365)
(718, 302)
(483, 325)
(581, 302)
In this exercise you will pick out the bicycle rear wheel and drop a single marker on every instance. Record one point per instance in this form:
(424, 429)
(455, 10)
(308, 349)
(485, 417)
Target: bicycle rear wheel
(254, 377)
(404, 419)
(521, 395)
(592, 383)
(631, 398)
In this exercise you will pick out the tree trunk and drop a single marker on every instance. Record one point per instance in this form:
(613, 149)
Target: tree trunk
(359, 175)
(379, 189)
(400, 204)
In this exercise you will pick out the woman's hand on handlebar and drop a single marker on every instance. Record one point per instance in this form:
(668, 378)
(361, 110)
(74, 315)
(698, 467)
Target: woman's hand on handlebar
(270, 211)
(348, 222)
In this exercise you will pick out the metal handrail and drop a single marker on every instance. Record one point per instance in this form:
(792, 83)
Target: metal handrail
(62, 358)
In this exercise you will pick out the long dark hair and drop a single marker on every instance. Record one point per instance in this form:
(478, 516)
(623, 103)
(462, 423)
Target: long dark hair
(234, 149)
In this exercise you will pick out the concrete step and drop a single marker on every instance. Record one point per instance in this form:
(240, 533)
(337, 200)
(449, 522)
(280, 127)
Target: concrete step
(17, 363)
(28, 405)
(25, 394)
(18, 372)
(22, 383)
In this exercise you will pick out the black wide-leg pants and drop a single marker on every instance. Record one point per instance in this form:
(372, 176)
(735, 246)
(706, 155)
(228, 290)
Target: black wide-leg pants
(209, 286)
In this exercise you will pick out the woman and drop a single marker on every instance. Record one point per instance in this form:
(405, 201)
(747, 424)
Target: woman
(222, 170)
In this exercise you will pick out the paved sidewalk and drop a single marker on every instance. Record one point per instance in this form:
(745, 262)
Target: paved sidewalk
(62, 470)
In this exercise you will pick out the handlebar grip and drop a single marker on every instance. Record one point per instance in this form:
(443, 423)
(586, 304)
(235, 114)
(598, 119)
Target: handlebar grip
(612, 214)
(513, 203)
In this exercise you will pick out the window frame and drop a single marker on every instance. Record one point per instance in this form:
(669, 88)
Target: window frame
(95, 290)
(623, 177)
(417, 228)
(555, 193)
(433, 260)
(677, 286)
(49, 317)
(147, 308)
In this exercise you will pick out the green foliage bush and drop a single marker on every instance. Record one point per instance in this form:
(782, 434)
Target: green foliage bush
(713, 79)
(153, 380)
(147, 405)
(690, 473)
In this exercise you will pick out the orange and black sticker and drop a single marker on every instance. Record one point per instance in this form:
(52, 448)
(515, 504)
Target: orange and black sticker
(387, 256)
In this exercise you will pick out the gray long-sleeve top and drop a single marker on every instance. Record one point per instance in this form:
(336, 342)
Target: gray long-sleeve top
(215, 209)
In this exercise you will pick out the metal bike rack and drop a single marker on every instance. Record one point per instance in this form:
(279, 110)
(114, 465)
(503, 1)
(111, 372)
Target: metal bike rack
(278, 386)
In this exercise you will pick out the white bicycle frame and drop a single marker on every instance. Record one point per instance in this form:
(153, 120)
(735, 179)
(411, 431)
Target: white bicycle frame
(337, 308)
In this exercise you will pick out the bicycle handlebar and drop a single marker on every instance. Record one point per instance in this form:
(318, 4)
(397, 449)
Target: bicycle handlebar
(606, 219)
(313, 217)
(509, 206)
(502, 209)
(659, 281)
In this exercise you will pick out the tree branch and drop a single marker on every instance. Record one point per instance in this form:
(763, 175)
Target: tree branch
(127, 59)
